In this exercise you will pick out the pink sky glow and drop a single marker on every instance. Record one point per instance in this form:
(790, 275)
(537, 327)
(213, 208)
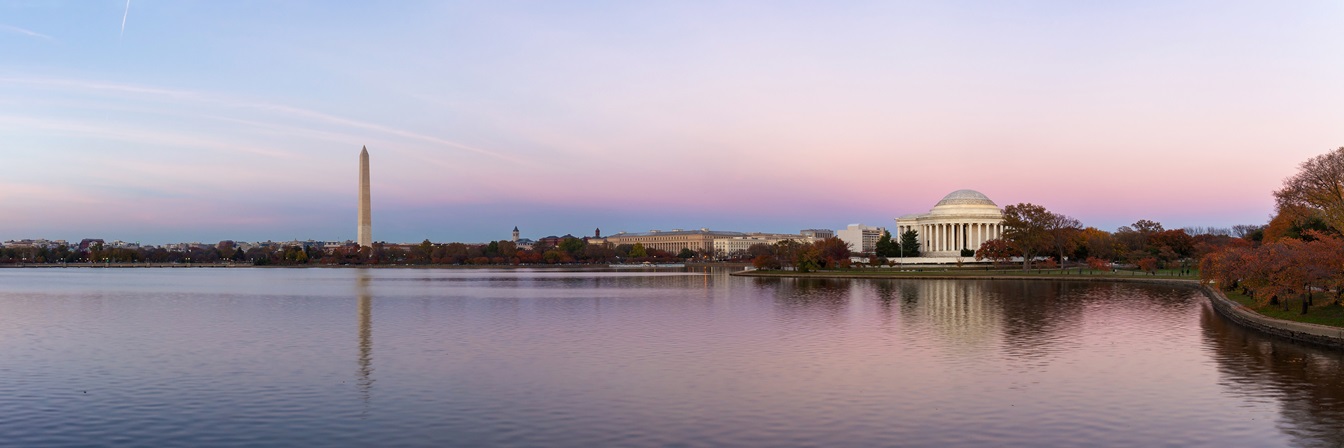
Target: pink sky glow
(560, 118)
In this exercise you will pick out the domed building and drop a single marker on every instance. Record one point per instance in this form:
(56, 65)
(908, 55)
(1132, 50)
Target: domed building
(962, 220)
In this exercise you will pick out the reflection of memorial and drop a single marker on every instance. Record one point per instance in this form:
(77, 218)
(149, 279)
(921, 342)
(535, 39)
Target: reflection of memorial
(1028, 320)
(958, 310)
(1307, 382)
(363, 377)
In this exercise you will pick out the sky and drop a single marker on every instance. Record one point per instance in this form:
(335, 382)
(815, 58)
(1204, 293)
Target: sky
(161, 121)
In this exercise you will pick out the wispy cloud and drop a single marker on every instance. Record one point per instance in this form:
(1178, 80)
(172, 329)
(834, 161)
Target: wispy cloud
(123, 19)
(131, 134)
(221, 100)
(23, 31)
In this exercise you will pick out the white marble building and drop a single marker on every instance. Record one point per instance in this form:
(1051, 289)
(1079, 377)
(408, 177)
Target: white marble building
(962, 220)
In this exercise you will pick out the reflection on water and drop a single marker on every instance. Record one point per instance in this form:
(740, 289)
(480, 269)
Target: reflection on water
(364, 376)
(592, 358)
(1307, 382)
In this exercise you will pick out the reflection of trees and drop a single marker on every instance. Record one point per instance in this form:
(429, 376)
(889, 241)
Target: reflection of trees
(809, 294)
(1307, 381)
(1038, 314)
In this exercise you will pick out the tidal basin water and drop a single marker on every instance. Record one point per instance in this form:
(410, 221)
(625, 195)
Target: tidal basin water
(402, 357)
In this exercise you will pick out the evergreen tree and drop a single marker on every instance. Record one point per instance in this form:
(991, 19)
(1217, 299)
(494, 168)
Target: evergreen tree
(909, 244)
(885, 247)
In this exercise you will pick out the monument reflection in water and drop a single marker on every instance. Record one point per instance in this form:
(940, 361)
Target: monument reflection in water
(364, 376)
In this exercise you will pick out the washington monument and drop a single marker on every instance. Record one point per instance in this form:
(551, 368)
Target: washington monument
(365, 237)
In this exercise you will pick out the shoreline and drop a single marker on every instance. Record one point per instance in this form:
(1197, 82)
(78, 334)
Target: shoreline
(1314, 334)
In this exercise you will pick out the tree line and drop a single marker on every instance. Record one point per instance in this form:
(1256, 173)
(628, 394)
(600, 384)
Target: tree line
(568, 250)
(1300, 253)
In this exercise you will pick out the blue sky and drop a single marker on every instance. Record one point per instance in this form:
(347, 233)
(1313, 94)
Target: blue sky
(203, 121)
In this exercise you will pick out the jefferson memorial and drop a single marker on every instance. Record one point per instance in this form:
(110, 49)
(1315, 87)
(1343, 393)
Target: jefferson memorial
(962, 220)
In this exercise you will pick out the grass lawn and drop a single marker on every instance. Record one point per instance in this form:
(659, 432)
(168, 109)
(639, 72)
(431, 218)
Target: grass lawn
(1324, 312)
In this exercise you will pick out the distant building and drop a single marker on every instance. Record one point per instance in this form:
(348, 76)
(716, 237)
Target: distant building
(861, 238)
(701, 240)
(552, 241)
(521, 243)
(819, 234)
(85, 243)
(739, 245)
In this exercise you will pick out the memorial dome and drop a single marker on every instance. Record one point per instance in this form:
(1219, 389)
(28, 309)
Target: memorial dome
(966, 197)
(965, 202)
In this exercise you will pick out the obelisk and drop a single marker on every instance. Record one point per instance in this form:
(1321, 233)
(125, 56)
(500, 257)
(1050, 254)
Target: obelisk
(365, 237)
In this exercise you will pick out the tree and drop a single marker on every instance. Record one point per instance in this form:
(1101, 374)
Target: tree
(1063, 234)
(909, 243)
(1294, 225)
(1246, 230)
(1094, 242)
(571, 245)
(1317, 189)
(637, 251)
(832, 251)
(1026, 227)
(765, 262)
(885, 247)
(686, 254)
(1147, 264)
(759, 249)
(809, 259)
(1097, 264)
(996, 250)
(1147, 227)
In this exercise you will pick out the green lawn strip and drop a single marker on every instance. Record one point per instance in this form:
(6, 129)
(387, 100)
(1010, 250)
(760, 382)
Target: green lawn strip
(1324, 312)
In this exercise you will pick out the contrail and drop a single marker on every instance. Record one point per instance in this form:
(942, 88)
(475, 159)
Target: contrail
(123, 19)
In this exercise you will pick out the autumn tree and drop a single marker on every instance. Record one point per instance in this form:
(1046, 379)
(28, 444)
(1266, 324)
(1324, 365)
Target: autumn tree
(833, 251)
(1295, 225)
(1097, 264)
(1317, 189)
(1026, 227)
(1094, 242)
(996, 250)
(1063, 234)
(766, 262)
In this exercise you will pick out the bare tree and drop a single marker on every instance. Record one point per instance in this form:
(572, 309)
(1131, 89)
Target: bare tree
(1242, 230)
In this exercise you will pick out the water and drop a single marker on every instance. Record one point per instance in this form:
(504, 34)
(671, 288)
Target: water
(393, 357)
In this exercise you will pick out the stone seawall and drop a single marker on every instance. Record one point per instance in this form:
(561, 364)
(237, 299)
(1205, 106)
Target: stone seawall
(1324, 335)
(1298, 331)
